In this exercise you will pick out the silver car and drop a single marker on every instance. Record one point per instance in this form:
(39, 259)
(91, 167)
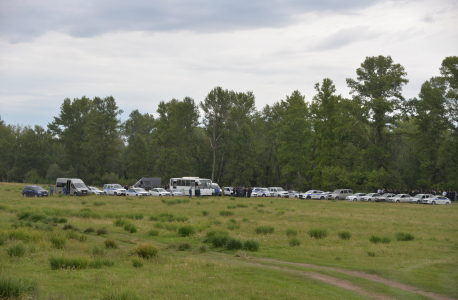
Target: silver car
(340, 194)
(418, 199)
(175, 192)
(369, 197)
(355, 197)
(384, 198)
(401, 198)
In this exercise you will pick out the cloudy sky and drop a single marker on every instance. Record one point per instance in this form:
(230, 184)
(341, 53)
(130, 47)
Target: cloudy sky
(142, 52)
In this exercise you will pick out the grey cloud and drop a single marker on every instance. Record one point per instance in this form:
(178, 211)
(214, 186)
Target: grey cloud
(344, 37)
(23, 20)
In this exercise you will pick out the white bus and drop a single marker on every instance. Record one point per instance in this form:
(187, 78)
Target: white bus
(183, 184)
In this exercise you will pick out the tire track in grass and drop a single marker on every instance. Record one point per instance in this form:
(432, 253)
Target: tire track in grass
(367, 276)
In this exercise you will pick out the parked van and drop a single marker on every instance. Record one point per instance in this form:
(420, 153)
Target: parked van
(74, 186)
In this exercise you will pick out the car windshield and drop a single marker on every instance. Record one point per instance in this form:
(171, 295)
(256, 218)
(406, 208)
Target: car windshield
(80, 185)
(117, 186)
(176, 191)
(280, 190)
(161, 190)
(39, 188)
(139, 190)
(418, 196)
(362, 194)
(263, 190)
(442, 198)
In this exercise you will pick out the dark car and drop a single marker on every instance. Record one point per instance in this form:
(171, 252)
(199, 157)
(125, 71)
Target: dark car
(34, 191)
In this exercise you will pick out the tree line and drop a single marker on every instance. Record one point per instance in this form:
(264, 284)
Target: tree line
(375, 139)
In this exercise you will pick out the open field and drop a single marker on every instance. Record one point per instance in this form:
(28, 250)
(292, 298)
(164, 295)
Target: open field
(297, 266)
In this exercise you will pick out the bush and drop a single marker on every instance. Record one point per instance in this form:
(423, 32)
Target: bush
(371, 254)
(291, 232)
(226, 213)
(146, 250)
(251, 245)
(318, 233)
(111, 243)
(58, 241)
(68, 262)
(89, 229)
(13, 288)
(242, 205)
(101, 231)
(82, 238)
(231, 206)
(402, 236)
(344, 235)
(137, 262)
(233, 244)
(376, 239)
(17, 250)
(217, 238)
(184, 246)
(264, 229)
(186, 230)
(153, 232)
(294, 242)
(205, 213)
(130, 228)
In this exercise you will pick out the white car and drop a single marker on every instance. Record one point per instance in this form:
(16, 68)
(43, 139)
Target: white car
(293, 194)
(418, 199)
(263, 192)
(385, 197)
(136, 192)
(175, 192)
(404, 198)
(279, 192)
(369, 197)
(96, 191)
(437, 200)
(313, 194)
(355, 197)
(255, 194)
(114, 189)
(159, 192)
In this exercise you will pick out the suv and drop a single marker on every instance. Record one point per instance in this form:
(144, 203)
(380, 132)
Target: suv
(34, 191)
(114, 189)
(263, 192)
(418, 198)
(228, 191)
(340, 194)
(279, 192)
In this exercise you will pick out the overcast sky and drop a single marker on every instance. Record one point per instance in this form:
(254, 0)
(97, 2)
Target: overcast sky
(144, 51)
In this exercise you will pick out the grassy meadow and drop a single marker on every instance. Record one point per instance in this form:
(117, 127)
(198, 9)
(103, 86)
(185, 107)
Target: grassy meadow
(105, 247)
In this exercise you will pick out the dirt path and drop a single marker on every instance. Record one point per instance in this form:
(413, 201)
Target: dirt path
(367, 276)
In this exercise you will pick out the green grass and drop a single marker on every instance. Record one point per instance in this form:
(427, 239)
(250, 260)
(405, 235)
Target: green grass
(290, 232)
(146, 250)
(294, 242)
(264, 229)
(318, 233)
(374, 239)
(402, 236)
(16, 288)
(186, 230)
(17, 250)
(344, 235)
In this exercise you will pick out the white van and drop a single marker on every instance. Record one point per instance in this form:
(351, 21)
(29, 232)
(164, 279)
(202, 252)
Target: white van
(73, 186)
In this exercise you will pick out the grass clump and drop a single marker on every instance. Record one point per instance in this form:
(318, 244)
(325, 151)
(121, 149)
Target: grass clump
(294, 242)
(318, 233)
(233, 244)
(146, 250)
(98, 263)
(186, 230)
(68, 262)
(99, 203)
(371, 254)
(89, 230)
(231, 206)
(3, 238)
(290, 232)
(242, 205)
(264, 229)
(217, 238)
(251, 245)
(344, 235)
(402, 236)
(153, 232)
(116, 294)
(111, 243)
(58, 241)
(101, 231)
(129, 227)
(67, 226)
(17, 250)
(226, 213)
(205, 213)
(137, 262)
(98, 250)
(203, 248)
(13, 288)
(184, 246)
(120, 222)
(377, 239)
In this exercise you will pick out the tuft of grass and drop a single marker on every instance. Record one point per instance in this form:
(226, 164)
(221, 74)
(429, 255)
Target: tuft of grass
(67, 226)
(89, 230)
(318, 233)
(68, 262)
(153, 232)
(98, 263)
(119, 294)
(120, 222)
(146, 250)
(242, 205)
(261, 205)
(231, 206)
(184, 246)
(58, 241)
(14, 288)
(344, 235)
(3, 238)
(130, 227)
(402, 236)
(377, 239)
(99, 203)
(137, 262)
(111, 243)
(98, 250)
(217, 238)
(232, 198)
(17, 250)
(205, 213)
(226, 213)
(62, 220)
(186, 230)
(233, 244)
(101, 231)
(371, 254)
(264, 229)
(290, 232)
(251, 245)
(294, 242)
(203, 248)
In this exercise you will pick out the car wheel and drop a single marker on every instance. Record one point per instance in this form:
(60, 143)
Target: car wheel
(398, 201)
(263, 195)
(25, 196)
(74, 194)
(337, 198)
(433, 203)
(36, 196)
(418, 202)
(447, 203)
(160, 195)
(308, 197)
(322, 198)
(369, 200)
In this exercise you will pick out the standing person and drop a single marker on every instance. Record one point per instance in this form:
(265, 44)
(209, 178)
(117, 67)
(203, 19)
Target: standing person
(222, 191)
(65, 190)
(51, 190)
(249, 192)
(190, 192)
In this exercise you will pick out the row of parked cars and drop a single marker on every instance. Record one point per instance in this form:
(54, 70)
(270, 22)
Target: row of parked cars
(400, 198)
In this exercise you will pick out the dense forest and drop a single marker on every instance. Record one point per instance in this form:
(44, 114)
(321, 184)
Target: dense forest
(376, 139)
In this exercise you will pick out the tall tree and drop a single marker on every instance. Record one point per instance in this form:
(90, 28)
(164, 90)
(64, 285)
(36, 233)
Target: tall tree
(138, 125)
(216, 107)
(138, 158)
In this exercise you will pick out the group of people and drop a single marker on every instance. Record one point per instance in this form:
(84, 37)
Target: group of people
(244, 192)
(452, 195)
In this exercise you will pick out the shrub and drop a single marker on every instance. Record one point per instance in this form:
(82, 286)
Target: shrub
(89, 229)
(217, 238)
(186, 230)
(226, 213)
(61, 220)
(233, 244)
(318, 233)
(231, 206)
(203, 248)
(137, 262)
(153, 232)
(184, 246)
(67, 226)
(58, 241)
(119, 222)
(130, 228)
(291, 232)
(344, 235)
(138, 216)
(68, 262)
(101, 231)
(13, 288)
(205, 213)
(17, 250)
(264, 229)
(111, 243)
(402, 236)
(376, 239)
(294, 242)
(146, 250)
(251, 245)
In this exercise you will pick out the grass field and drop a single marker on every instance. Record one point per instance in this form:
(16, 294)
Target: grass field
(104, 247)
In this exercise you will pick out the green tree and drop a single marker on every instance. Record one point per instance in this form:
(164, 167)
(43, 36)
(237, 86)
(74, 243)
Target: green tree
(138, 158)
(138, 125)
